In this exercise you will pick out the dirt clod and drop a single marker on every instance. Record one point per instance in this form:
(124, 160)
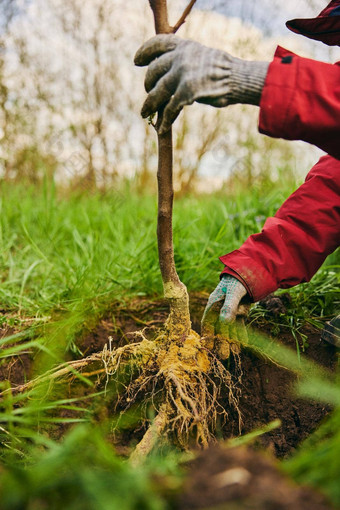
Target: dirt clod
(242, 479)
(276, 305)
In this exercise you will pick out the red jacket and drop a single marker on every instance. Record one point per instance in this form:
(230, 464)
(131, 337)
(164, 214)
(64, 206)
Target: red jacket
(300, 101)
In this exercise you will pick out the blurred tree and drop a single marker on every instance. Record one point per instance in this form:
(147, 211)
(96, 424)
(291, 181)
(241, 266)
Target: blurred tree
(79, 85)
(7, 11)
(75, 98)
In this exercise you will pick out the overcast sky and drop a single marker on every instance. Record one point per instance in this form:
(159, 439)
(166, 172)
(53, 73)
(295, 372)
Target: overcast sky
(268, 15)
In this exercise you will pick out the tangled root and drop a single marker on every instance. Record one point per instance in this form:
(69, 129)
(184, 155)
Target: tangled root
(188, 385)
(184, 381)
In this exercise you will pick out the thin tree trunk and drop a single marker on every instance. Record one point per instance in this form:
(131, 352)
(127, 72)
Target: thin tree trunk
(175, 291)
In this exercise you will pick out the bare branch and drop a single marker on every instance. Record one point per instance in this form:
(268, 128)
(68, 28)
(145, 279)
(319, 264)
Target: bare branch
(185, 14)
(160, 12)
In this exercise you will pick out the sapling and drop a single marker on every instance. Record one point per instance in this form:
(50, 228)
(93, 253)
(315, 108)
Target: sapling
(177, 371)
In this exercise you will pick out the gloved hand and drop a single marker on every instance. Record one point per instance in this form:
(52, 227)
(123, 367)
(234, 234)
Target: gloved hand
(183, 71)
(231, 291)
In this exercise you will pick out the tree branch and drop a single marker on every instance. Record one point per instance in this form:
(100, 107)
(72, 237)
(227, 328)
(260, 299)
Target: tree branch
(160, 12)
(182, 19)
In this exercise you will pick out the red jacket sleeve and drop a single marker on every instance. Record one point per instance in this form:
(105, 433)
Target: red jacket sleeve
(295, 242)
(301, 101)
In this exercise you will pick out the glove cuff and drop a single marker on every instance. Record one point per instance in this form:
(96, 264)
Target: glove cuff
(247, 81)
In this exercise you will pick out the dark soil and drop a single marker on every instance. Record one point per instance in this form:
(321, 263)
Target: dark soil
(266, 391)
(17, 369)
(242, 479)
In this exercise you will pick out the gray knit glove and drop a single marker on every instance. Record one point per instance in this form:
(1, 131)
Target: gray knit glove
(183, 71)
(231, 291)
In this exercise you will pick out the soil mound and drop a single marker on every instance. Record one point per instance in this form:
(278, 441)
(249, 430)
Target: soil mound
(266, 391)
(242, 479)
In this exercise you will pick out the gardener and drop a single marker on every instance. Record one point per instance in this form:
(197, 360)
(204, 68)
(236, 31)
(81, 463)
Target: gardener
(299, 99)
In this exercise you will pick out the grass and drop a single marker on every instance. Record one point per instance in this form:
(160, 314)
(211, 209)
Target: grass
(79, 252)
(84, 473)
(65, 259)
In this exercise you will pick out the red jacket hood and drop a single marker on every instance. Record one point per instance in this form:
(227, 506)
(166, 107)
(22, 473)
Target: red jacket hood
(325, 27)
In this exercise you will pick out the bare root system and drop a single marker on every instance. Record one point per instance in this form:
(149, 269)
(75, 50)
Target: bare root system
(184, 378)
(188, 386)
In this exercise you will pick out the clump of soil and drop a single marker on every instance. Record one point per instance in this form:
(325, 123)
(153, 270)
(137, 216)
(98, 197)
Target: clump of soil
(275, 305)
(242, 479)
